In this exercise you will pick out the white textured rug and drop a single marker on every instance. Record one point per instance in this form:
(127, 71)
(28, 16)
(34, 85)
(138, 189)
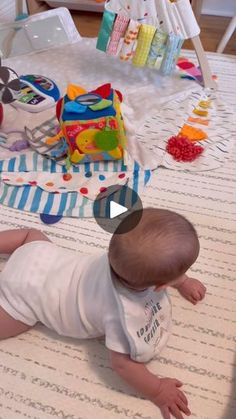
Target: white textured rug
(45, 377)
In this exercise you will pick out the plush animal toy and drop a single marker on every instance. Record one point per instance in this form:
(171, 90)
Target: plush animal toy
(91, 124)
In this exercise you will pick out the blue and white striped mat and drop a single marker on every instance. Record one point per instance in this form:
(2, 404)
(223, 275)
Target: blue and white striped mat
(34, 199)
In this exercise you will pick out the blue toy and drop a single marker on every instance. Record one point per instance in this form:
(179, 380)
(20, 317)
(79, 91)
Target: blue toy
(37, 93)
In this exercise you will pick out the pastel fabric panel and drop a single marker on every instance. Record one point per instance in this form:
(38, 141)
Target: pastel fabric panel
(157, 49)
(145, 37)
(173, 47)
(105, 30)
(120, 26)
(130, 40)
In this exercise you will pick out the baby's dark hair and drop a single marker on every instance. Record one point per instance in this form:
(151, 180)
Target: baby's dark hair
(159, 249)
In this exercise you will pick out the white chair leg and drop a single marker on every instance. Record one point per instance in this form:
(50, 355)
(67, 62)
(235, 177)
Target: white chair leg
(204, 64)
(227, 35)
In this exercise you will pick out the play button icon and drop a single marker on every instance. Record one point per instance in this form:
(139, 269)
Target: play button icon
(118, 209)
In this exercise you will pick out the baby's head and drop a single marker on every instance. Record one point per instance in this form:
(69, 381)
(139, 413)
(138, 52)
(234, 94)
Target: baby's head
(161, 248)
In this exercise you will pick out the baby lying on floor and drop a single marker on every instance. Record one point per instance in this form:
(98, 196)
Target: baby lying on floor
(121, 295)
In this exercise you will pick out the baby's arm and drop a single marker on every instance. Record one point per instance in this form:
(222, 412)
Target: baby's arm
(10, 240)
(163, 392)
(191, 289)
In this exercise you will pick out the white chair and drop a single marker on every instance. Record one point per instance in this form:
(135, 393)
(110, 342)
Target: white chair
(227, 35)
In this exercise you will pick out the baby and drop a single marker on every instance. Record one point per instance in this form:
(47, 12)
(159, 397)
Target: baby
(121, 295)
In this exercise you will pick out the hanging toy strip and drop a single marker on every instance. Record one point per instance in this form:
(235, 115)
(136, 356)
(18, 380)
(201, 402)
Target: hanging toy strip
(118, 31)
(130, 38)
(157, 50)
(145, 38)
(149, 33)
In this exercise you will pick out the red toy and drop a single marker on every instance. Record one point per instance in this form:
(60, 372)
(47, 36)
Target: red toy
(182, 149)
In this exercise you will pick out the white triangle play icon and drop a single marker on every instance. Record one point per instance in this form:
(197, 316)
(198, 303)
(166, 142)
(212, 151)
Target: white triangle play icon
(116, 209)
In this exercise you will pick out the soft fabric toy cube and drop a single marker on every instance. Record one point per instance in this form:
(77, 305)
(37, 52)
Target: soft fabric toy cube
(91, 124)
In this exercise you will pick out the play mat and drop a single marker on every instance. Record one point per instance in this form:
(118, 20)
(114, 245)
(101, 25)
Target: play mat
(45, 376)
(137, 120)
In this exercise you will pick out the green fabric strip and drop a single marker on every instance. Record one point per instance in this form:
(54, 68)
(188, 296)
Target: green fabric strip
(105, 30)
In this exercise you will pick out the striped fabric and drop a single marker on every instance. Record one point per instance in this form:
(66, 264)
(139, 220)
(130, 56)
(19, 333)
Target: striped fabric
(34, 199)
(118, 31)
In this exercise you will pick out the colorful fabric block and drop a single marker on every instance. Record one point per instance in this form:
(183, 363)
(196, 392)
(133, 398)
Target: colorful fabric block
(91, 125)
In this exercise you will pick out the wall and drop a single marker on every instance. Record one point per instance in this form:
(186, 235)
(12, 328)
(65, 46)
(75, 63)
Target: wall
(219, 7)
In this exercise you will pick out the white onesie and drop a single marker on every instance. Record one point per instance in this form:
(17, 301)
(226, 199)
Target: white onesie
(77, 296)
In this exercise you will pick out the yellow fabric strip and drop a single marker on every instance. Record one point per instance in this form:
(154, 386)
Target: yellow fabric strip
(145, 36)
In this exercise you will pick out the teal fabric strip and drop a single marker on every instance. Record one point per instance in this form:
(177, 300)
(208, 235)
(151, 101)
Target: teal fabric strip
(45, 165)
(105, 30)
(81, 209)
(72, 205)
(12, 198)
(22, 165)
(4, 194)
(35, 162)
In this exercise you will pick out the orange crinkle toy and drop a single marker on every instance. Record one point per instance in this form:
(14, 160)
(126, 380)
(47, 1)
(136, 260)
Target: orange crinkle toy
(193, 134)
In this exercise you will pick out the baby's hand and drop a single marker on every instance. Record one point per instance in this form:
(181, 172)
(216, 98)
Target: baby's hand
(170, 399)
(192, 289)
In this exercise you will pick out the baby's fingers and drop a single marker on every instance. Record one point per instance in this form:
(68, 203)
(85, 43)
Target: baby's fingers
(192, 299)
(202, 292)
(174, 409)
(177, 382)
(183, 407)
(165, 413)
(199, 295)
(182, 396)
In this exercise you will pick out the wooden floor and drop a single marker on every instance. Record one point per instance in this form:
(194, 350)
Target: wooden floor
(212, 30)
